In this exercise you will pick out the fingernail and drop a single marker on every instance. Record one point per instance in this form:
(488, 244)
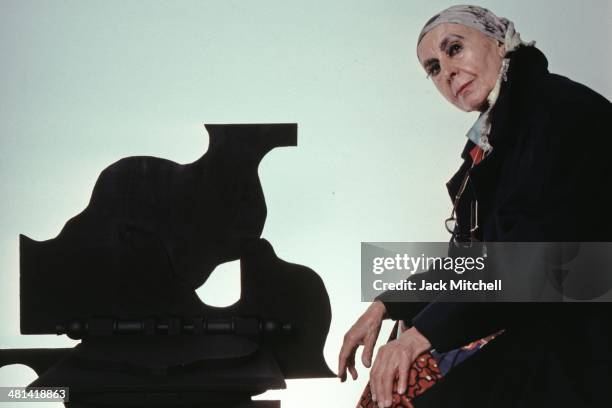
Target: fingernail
(374, 397)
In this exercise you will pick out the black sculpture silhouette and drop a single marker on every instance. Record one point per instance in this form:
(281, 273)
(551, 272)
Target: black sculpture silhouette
(122, 275)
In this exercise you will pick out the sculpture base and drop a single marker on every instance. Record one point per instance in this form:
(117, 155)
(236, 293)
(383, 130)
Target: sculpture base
(247, 404)
(194, 385)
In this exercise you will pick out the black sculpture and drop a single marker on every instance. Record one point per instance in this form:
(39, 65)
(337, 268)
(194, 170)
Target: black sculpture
(122, 276)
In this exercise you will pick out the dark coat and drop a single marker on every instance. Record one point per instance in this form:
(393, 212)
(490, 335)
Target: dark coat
(546, 180)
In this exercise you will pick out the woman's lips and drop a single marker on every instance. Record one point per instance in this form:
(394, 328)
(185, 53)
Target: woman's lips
(462, 88)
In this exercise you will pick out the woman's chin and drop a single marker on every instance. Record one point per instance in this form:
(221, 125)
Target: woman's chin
(467, 107)
(472, 103)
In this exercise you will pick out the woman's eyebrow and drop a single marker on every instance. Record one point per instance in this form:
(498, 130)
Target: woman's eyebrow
(447, 39)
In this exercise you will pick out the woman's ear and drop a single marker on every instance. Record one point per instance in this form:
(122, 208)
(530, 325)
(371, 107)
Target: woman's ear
(501, 49)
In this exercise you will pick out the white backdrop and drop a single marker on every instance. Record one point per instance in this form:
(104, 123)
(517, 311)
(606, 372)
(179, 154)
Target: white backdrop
(84, 83)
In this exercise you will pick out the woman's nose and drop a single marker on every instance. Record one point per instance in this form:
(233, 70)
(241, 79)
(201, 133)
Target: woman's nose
(450, 73)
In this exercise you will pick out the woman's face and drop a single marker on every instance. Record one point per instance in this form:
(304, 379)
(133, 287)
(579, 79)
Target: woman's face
(463, 63)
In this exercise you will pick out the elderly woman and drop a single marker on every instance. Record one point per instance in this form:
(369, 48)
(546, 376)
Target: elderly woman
(536, 169)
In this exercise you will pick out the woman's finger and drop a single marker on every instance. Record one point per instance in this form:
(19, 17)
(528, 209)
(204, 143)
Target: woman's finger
(350, 363)
(379, 366)
(402, 381)
(374, 376)
(348, 349)
(353, 371)
(386, 377)
(368, 350)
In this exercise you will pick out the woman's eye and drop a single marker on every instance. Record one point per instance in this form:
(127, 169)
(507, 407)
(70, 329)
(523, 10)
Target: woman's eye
(453, 49)
(433, 70)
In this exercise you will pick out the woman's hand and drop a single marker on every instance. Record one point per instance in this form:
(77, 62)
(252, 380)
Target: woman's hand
(394, 360)
(363, 333)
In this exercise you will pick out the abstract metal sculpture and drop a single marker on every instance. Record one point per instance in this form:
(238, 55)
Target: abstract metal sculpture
(122, 275)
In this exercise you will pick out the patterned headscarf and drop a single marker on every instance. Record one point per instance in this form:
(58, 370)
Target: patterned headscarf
(478, 18)
(500, 29)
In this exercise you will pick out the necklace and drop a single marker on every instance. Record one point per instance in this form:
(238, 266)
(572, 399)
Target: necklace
(451, 222)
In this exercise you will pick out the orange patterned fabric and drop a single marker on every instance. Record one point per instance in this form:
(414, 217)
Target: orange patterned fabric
(423, 374)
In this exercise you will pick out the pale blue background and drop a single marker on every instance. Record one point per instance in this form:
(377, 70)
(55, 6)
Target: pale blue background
(84, 83)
